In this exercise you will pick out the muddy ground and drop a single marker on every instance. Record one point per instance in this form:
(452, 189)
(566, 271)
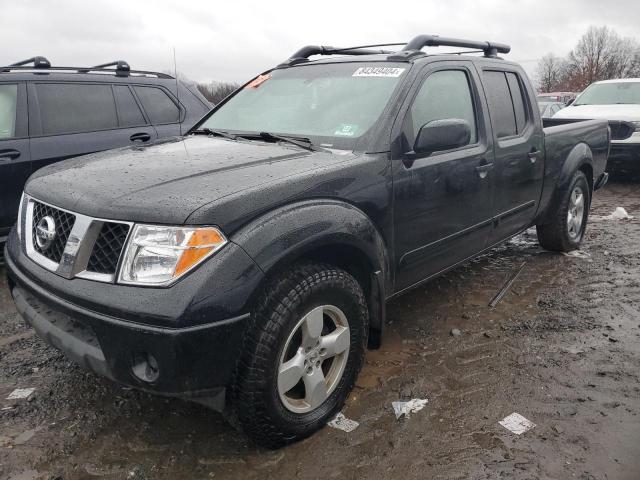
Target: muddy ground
(562, 348)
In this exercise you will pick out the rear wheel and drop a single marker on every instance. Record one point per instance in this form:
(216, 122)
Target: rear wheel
(302, 354)
(565, 230)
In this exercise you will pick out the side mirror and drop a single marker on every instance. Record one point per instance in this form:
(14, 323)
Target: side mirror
(439, 135)
(571, 100)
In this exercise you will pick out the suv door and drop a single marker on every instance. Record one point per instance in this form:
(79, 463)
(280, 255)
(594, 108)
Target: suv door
(518, 145)
(15, 165)
(442, 201)
(162, 110)
(70, 119)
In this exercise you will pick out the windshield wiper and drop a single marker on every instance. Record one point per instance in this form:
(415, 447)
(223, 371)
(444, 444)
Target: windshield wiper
(301, 142)
(217, 133)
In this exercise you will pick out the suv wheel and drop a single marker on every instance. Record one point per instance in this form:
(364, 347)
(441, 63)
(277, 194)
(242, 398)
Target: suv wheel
(302, 354)
(566, 229)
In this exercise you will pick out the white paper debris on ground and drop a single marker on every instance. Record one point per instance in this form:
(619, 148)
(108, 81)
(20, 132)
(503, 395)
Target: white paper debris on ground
(577, 253)
(21, 393)
(406, 408)
(618, 214)
(516, 423)
(343, 423)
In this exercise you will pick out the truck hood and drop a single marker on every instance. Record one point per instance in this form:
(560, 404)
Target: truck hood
(609, 112)
(166, 182)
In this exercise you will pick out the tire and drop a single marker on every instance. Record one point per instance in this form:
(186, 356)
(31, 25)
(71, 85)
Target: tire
(565, 230)
(294, 307)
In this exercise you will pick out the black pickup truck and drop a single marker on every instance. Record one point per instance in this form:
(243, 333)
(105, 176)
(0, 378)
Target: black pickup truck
(246, 265)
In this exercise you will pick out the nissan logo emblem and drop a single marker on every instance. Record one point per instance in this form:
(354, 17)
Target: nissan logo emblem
(45, 232)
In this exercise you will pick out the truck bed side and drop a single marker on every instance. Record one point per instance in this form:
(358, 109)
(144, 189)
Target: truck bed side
(569, 144)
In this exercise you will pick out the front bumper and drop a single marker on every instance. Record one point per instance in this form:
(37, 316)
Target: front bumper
(624, 157)
(193, 355)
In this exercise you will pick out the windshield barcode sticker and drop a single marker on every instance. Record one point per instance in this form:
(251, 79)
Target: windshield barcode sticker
(378, 72)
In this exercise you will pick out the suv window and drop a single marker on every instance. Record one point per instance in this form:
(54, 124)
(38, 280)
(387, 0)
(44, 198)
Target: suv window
(506, 103)
(159, 107)
(444, 94)
(129, 112)
(74, 108)
(8, 102)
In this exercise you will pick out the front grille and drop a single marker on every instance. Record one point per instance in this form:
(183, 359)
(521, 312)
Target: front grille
(108, 247)
(621, 130)
(63, 224)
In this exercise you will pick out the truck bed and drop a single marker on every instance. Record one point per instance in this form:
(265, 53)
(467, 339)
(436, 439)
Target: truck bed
(572, 139)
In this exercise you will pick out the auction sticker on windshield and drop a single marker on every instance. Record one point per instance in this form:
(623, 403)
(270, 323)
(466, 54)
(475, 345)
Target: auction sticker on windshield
(346, 130)
(378, 72)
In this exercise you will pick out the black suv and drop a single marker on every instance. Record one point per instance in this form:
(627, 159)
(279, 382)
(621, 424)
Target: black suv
(49, 113)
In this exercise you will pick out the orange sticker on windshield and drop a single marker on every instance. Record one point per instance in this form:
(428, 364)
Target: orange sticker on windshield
(259, 80)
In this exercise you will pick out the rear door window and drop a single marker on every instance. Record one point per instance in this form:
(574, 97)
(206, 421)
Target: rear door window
(517, 96)
(503, 118)
(159, 107)
(129, 113)
(8, 104)
(507, 103)
(76, 108)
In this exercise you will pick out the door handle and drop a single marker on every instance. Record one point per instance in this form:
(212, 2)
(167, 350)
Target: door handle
(9, 154)
(533, 155)
(484, 169)
(140, 137)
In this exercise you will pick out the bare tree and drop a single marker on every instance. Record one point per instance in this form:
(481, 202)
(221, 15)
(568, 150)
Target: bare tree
(602, 54)
(550, 73)
(216, 91)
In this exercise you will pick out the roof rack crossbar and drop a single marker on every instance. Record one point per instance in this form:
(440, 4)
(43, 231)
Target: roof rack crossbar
(122, 68)
(38, 62)
(304, 53)
(490, 49)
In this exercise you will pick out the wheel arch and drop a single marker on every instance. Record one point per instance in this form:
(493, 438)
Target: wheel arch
(323, 231)
(580, 158)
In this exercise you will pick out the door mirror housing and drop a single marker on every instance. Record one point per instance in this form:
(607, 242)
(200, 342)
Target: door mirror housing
(439, 135)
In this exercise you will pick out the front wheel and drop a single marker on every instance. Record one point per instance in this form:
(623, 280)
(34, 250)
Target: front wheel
(565, 230)
(302, 353)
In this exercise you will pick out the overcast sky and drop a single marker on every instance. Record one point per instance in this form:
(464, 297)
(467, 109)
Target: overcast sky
(234, 40)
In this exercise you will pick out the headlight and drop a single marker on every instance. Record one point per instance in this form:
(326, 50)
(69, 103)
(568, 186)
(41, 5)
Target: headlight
(158, 255)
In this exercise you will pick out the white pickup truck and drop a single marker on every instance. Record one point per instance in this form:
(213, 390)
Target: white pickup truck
(619, 102)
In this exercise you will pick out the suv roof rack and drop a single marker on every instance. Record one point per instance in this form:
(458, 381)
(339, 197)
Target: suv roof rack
(122, 68)
(410, 50)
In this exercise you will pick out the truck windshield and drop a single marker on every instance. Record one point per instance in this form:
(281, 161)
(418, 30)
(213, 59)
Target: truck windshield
(610, 94)
(330, 104)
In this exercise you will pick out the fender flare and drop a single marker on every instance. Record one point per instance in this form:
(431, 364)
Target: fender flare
(579, 156)
(289, 232)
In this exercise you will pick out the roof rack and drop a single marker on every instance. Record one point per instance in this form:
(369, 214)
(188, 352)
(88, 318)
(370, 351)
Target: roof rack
(410, 50)
(122, 68)
(38, 62)
(304, 53)
(414, 47)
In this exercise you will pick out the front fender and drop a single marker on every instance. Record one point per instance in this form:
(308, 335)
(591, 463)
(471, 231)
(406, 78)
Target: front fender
(291, 231)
